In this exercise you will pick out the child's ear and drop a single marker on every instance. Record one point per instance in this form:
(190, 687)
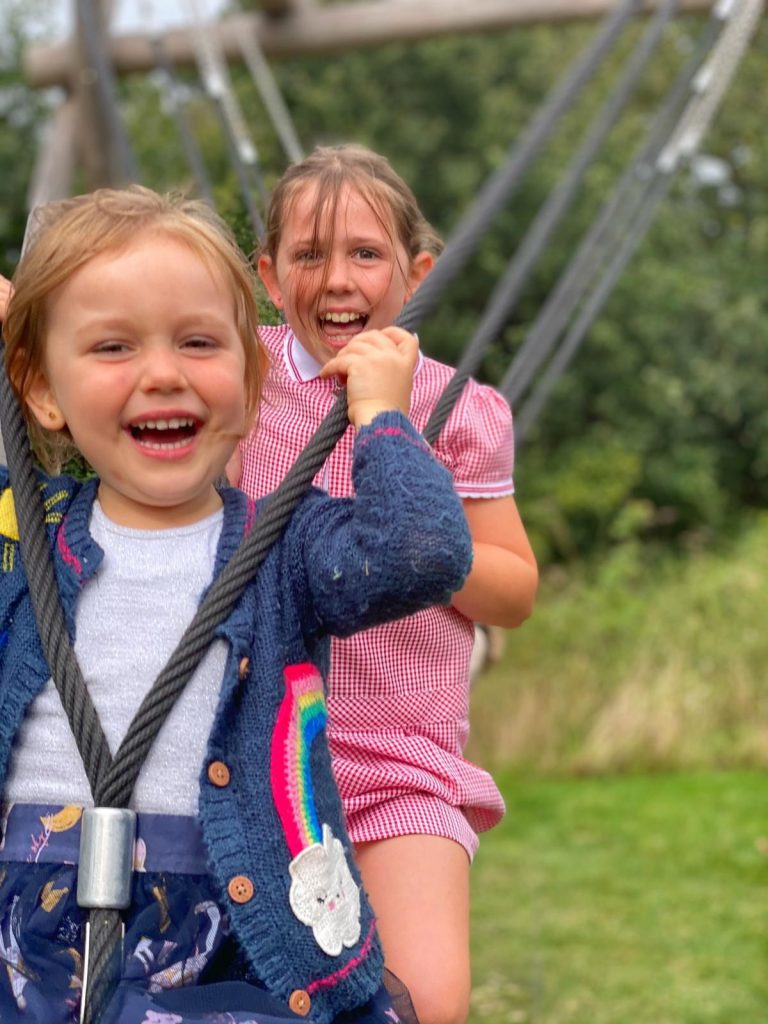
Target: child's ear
(268, 275)
(421, 265)
(42, 403)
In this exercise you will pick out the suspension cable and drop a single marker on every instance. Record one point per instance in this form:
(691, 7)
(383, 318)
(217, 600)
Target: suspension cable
(176, 99)
(510, 286)
(243, 153)
(501, 185)
(44, 591)
(712, 83)
(271, 97)
(609, 224)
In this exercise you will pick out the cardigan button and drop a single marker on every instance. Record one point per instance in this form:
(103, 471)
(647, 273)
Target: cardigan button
(218, 773)
(300, 1002)
(240, 889)
(245, 664)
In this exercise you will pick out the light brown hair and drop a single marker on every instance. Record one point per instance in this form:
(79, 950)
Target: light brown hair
(69, 233)
(330, 168)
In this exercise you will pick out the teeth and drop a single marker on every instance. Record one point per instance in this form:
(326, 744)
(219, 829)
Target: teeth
(172, 424)
(342, 318)
(166, 446)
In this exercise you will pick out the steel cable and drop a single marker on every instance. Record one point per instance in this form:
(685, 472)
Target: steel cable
(173, 92)
(501, 185)
(611, 222)
(271, 96)
(243, 153)
(510, 286)
(713, 80)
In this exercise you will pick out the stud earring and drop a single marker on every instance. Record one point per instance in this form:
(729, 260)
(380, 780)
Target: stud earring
(51, 414)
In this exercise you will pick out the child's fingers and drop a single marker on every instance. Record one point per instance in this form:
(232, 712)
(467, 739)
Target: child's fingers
(378, 368)
(407, 343)
(392, 342)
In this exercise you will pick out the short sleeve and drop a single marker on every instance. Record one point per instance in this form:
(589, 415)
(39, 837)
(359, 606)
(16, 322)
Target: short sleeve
(476, 445)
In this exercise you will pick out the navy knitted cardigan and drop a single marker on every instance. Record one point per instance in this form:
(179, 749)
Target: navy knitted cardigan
(272, 822)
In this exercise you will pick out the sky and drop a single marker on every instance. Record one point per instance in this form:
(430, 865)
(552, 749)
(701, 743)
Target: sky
(139, 15)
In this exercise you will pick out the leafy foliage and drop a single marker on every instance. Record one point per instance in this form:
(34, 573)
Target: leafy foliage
(21, 113)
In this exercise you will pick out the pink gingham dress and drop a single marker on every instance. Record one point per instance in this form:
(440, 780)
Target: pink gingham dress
(398, 694)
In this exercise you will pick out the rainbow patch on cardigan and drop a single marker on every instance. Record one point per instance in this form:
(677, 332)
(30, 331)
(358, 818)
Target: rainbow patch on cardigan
(301, 717)
(323, 894)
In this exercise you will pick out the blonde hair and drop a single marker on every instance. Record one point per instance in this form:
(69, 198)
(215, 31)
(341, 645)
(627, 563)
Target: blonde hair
(329, 169)
(69, 233)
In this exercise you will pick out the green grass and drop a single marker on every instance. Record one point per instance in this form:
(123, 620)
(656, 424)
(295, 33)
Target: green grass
(640, 662)
(635, 899)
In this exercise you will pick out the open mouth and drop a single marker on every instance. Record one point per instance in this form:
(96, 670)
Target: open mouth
(164, 435)
(345, 324)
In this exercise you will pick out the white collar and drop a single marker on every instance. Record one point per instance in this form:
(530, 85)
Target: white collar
(302, 365)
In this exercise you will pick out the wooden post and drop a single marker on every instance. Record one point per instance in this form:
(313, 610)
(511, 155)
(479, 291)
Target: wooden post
(302, 28)
(55, 165)
(93, 132)
(105, 150)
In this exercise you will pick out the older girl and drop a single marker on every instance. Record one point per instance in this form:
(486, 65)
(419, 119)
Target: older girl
(346, 247)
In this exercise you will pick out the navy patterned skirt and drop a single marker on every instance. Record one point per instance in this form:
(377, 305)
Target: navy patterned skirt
(180, 965)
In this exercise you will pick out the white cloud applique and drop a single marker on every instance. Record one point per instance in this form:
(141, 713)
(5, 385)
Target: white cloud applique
(324, 895)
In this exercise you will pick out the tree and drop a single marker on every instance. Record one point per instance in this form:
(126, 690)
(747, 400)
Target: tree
(22, 113)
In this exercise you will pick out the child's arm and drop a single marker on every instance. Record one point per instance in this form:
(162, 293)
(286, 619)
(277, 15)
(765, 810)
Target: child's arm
(402, 543)
(501, 587)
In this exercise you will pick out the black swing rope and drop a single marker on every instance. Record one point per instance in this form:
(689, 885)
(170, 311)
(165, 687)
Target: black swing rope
(112, 779)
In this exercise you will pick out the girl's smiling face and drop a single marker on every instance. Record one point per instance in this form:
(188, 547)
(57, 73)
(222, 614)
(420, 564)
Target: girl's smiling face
(352, 275)
(145, 367)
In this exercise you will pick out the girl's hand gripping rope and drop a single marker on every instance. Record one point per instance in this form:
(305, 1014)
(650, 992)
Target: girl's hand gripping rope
(378, 367)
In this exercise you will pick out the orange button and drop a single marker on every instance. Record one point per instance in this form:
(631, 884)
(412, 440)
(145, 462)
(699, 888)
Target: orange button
(240, 889)
(218, 773)
(245, 664)
(300, 1002)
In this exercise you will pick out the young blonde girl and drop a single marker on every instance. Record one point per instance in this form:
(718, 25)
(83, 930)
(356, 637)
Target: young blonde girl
(346, 247)
(130, 338)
